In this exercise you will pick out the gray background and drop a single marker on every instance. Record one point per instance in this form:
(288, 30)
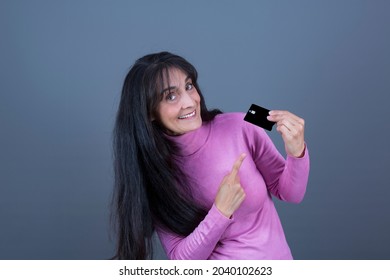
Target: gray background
(62, 64)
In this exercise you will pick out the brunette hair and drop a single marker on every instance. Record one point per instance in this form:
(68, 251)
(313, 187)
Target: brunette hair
(149, 188)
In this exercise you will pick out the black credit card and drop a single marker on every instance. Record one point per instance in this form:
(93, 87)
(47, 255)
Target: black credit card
(258, 116)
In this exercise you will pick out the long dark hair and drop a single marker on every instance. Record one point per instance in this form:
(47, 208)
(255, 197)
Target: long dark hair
(149, 188)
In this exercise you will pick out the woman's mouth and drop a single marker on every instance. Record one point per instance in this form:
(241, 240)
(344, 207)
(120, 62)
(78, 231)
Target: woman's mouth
(187, 116)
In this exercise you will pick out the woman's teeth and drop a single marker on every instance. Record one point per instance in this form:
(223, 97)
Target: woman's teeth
(188, 115)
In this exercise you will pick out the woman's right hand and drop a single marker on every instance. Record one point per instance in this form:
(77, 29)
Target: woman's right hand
(230, 194)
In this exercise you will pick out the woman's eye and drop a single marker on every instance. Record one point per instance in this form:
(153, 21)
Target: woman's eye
(171, 96)
(189, 86)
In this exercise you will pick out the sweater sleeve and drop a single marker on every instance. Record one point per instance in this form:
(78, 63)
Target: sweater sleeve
(285, 178)
(200, 243)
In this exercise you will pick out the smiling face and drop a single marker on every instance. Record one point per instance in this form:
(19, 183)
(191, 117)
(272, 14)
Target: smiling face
(179, 109)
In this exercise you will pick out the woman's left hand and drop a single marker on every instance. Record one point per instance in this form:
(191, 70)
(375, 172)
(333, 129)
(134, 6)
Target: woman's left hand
(292, 129)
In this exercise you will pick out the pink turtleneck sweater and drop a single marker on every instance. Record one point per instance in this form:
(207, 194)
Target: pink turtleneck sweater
(254, 231)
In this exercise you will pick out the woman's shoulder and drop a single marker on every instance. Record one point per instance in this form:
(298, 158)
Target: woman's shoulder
(235, 121)
(229, 119)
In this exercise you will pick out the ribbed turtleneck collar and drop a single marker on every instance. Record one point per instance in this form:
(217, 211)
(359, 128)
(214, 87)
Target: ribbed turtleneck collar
(191, 142)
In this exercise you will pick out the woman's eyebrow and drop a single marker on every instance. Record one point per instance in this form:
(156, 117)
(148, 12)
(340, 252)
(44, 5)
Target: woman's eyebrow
(168, 89)
(174, 87)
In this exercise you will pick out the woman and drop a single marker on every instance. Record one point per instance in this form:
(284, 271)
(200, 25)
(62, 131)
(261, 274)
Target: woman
(202, 179)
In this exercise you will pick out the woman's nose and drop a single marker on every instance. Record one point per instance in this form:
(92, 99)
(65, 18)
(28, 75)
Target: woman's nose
(187, 100)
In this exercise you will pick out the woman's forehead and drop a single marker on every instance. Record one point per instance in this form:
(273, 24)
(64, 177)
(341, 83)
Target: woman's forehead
(172, 77)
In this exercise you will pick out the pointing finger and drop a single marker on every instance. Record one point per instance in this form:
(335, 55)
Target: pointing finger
(236, 166)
